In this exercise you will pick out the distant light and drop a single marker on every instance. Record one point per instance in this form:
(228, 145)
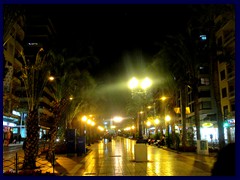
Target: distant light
(148, 123)
(51, 78)
(203, 37)
(146, 83)
(133, 83)
(11, 124)
(117, 119)
(167, 118)
(207, 124)
(163, 98)
(156, 121)
(33, 44)
(16, 113)
(84, 118)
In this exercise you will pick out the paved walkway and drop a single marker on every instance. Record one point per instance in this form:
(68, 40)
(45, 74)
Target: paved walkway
(116, 158)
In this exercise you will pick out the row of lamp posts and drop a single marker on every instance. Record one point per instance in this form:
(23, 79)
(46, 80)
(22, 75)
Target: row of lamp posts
(88, 124)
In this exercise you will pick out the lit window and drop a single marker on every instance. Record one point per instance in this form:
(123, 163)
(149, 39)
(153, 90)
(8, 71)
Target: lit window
(32, 44)
(205, 81)
(203, 37)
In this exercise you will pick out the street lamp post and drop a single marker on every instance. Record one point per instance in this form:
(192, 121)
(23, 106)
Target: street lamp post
(139, 88)
(168, 118)
(88, 125)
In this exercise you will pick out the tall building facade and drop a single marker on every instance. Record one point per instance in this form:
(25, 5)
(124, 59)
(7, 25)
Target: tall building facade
(29, 34)
(225, 40)
(13, 119)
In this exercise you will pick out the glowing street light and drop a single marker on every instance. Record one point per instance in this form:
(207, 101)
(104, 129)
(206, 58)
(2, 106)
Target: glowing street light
(51, 78)
(139, 87)
(133, 83)
(167, 118)
(146, 83)
(117, 119)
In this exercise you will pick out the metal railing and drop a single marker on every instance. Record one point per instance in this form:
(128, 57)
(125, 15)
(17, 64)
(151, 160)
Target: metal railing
(14, 164)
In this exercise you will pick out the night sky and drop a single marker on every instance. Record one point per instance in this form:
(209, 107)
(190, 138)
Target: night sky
(114, 30)
(123, 37)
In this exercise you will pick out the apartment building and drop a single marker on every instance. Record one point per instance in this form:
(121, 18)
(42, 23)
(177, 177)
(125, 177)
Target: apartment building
(29, 34)
(13, 119)
(40, 33)
(225, 38)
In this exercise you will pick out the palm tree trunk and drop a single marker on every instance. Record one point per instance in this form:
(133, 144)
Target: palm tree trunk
(52, 145)
(196, 111)
(58, 109)
(219, 116)
(31, 148)
(183, 115)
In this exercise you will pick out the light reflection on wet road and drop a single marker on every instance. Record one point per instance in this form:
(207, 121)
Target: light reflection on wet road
(116, 158)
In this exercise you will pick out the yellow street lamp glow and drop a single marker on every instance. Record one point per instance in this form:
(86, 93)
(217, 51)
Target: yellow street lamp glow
(127, 129)
(117, 119)
(156, 121)
(146, 83)
(89, 121)
(100, 128)
(167, 118)
(133, 83)
(84, 118)
(133, 127)
(163, 98)
(148, 123)
(149, 107)
(51, 78)
(92, 123)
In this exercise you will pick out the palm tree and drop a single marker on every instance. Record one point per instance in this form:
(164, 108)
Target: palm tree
(11, 14)
(34, 76)
(69, 82)
(188, 56)
(170, 70)
(205, 17)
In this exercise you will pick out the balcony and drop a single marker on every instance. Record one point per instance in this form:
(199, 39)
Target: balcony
(16, 81)
(8, 57)
(231, 76)
(46, 101)
(45, 111)
(19, 31)
(18, 46)
(231, 95)
(17, 64)
(228, 38)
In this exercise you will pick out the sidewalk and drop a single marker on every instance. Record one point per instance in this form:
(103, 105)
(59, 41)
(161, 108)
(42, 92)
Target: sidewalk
(116, 158)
